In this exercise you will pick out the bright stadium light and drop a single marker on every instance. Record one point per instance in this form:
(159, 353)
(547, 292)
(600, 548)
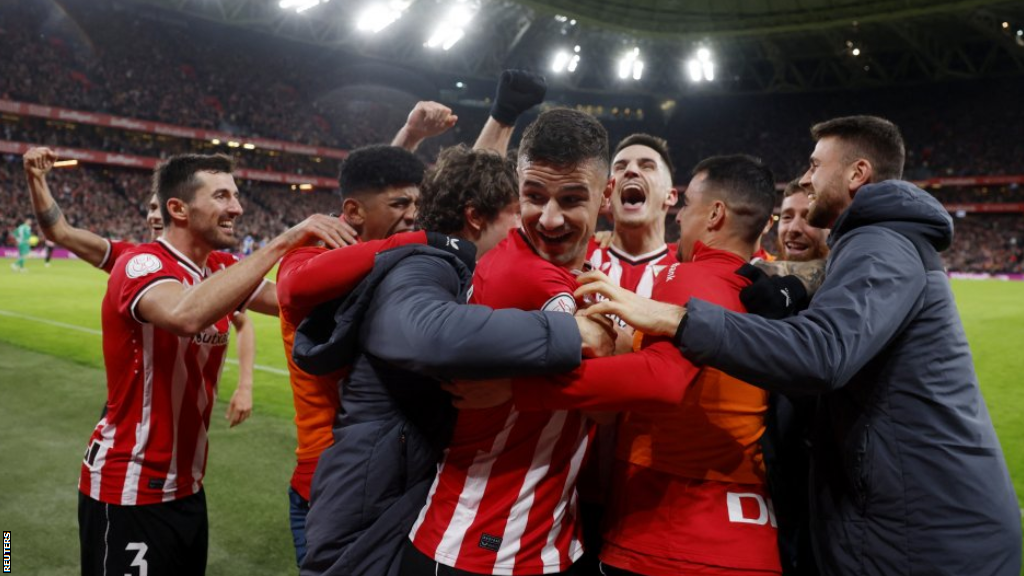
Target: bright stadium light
(300, 5)
(452, 28)
(631, 65)
(379, 16)
(701, 68)
(565, 61)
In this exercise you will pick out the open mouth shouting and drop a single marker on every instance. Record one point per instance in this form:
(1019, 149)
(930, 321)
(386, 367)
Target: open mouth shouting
(633, 197)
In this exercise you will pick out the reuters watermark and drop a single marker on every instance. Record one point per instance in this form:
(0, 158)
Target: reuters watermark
(7, 552)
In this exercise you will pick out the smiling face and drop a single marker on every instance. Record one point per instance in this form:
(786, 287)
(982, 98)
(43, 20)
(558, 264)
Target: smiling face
(559, 207)
(643, 187)
(213, 210)
(153, 217)
(798, 239)
(827, 183)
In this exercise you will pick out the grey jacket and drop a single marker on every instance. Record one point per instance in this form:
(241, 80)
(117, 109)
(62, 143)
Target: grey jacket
(402, 329)
(907, 475)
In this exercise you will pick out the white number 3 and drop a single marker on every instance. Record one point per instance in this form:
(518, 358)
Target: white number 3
(140, 559)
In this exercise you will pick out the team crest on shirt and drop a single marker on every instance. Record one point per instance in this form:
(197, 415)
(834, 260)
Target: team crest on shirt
(142, 264)
(563, 302)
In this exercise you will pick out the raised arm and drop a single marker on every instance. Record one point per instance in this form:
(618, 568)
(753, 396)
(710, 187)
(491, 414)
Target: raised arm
(86, 245)
(427, 119)
(517, 92)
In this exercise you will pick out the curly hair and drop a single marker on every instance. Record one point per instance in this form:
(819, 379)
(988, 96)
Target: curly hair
(463, 177)
(378, 167)
(565, 137)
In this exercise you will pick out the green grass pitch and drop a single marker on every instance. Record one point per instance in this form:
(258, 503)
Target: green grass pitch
(52, 389)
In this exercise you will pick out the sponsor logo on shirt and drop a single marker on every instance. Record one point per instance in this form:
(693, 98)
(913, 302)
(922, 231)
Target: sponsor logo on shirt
(210, 337)
(488, 542)
(141, 265)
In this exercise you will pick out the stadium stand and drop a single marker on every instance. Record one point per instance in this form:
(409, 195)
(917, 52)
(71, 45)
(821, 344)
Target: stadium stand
(232, 83)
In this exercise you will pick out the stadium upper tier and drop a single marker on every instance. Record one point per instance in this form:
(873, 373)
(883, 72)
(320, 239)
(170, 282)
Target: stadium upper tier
(101, 57)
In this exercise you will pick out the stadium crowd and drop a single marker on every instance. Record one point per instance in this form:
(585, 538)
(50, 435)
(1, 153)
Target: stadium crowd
(99, 197)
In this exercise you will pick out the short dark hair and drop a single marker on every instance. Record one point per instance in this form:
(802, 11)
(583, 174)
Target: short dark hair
(373, 169)
(463, 177)
(565, 137)
(793, 187)
(875, 139)
(746, 185)
(659, 145)
(176, 177)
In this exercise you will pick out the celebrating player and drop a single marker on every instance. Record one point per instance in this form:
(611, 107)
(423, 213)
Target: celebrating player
(102, 253)
(165, 319)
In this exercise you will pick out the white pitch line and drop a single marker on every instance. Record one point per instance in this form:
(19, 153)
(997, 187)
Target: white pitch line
(95, 332)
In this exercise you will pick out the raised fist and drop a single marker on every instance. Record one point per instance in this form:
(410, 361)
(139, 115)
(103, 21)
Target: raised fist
(429, 119)
(39, 161)
(518, 91)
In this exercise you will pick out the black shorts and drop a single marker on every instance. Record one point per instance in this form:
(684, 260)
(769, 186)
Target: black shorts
(153, 539)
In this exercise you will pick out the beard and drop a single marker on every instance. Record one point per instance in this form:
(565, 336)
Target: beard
(219, 240)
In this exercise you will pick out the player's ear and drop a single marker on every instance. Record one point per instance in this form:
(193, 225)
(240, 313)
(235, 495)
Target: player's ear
(606, 195)
(177, 208)
(474, 220)
(672, 198)
(353, 211)
(716, 216)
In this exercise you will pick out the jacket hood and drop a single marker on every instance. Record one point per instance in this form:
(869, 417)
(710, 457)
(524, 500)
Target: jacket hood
(903, 207)
(327, 340)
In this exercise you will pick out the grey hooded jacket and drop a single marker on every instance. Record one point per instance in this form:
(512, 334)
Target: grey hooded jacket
(405, 327)
(907, 475)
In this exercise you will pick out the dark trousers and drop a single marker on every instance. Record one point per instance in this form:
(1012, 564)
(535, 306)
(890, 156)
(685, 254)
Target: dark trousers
(298, 509)
(166, 539)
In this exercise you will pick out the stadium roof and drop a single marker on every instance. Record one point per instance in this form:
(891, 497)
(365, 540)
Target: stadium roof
(756, 45)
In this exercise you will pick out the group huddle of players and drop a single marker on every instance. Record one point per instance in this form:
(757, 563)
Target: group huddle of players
(470, 397)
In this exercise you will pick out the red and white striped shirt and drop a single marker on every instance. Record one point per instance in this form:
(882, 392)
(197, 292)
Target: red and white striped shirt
(150, 447)
(504, 499)
(634, 273)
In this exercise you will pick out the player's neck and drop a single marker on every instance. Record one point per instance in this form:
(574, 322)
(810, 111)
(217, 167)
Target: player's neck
(640, 240)
(183, 241)
(726, 244)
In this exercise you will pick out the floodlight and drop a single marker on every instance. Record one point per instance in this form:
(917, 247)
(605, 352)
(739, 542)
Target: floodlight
(631, 65)
(452, 28)
(573, 63)
(695, 71)
(249, 146)
(701, 68)
(300, 5)
(560, 62)
(855, 52)
(377, 17)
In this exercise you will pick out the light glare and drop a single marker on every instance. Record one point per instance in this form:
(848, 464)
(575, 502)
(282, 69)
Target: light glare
(377, 17)
(451, 29)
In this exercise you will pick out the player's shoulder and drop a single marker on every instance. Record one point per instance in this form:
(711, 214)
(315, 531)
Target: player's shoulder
(141, 260)
(513, 257)
(219, 260)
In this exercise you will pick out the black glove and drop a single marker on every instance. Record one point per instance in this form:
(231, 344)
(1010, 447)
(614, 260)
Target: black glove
(462, 249)
(772, 297)
(518, 91)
